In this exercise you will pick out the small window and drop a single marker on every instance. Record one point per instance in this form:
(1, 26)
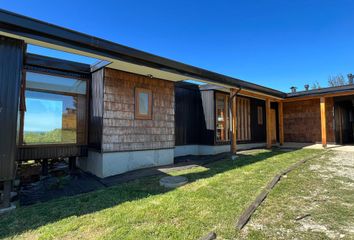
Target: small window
(143, 103)
(260, 115)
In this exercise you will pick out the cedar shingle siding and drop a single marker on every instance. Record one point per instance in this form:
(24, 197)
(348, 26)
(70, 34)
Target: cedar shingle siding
(121, 131)
(302, 121)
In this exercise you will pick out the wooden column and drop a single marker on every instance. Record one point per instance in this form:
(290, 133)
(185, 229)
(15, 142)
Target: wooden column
(233, 119)
(268, 124)
(323, 121)
(281, 123)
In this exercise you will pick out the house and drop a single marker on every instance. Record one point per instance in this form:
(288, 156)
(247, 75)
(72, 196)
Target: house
(132, 109)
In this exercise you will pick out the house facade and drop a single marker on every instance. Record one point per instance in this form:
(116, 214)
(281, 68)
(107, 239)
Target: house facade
(133, 110)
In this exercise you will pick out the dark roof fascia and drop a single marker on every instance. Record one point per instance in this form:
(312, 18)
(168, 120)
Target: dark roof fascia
(317, 92)
(56, 64)
(38, 30)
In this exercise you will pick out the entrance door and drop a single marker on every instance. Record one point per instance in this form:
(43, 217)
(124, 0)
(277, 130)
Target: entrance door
(273, 124)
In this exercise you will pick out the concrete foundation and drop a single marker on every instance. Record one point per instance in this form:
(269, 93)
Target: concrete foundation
(109, 164)
(210, 150)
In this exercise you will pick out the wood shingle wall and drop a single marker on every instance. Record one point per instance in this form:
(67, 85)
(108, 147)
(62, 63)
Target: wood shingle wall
(121, 131)
(302, 121)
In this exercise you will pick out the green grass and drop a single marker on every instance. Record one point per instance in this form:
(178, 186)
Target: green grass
(212, 201)
(314, 190)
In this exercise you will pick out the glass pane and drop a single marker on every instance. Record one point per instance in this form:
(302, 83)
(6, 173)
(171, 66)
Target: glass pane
(220, 118)
(54, 83)
(143, 103)
(49, 118)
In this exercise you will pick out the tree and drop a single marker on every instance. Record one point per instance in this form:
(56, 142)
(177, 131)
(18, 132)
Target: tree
(315, 85)
(338, 80)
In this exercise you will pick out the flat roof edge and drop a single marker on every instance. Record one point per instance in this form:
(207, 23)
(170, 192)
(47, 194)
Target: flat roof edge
(39, 30)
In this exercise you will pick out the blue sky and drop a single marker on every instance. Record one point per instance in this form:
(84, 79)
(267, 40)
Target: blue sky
(275, 43)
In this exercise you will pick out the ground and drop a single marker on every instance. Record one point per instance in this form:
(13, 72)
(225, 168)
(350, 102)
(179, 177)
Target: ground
(316, 201)
(321, 192)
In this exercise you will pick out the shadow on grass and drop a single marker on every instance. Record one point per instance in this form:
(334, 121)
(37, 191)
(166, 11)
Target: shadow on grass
(32, 217)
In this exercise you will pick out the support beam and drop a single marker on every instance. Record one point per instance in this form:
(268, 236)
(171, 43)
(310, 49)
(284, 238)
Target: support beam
(323, 121)
(233, 93)
(281, 123)
(268, 124)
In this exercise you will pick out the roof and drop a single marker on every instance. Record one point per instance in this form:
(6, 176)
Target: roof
(321, 91)
(15, 25)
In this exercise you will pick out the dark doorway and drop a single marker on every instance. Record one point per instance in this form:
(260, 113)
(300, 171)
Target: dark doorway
(344, 119)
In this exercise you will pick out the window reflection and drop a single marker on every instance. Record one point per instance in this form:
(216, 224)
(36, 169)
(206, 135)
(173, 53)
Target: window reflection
(222, 117)
(49, 118)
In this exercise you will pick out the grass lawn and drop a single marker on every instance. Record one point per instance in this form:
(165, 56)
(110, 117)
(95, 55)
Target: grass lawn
(212, 201)
(315, 201)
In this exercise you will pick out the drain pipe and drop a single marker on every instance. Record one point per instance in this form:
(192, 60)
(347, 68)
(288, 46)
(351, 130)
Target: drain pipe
(230, 110)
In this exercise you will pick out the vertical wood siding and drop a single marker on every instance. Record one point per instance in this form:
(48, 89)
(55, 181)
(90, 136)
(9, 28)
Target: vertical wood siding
(243, 119)
(189, 116)
(11, 64)
(96, 110)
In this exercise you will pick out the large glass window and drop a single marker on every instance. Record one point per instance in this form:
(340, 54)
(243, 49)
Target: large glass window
(222, 117)
(53, 105)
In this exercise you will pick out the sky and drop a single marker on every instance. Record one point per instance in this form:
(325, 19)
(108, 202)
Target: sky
(274, 43)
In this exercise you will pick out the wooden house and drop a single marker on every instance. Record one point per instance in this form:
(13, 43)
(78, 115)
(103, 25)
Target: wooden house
(133, 110)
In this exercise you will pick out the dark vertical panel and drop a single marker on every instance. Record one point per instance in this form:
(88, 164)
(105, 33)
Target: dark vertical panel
(258, 131)
(11, 62)
(96, 109)
(189, 122)
(274, 105)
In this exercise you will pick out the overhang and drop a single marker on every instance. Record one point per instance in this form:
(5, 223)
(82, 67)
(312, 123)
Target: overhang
(124, 58)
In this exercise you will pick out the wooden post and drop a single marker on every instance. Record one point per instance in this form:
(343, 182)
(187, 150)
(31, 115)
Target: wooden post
(281, 123)
(268, 124)
(233, 119)
(323, 121)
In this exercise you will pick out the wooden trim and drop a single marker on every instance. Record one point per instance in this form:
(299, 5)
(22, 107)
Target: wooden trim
(323, 121)
(257, 95)
(326, 95)
(137, 114)
(281, 123)
(233, 97)
(269, 124)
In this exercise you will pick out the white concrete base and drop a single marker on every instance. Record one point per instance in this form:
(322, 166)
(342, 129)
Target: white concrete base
(109, 164)
(5, 210)
(210, 150)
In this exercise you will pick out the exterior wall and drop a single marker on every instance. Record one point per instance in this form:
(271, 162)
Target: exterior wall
(189, 116)
(11, 59)
(302, 121)
(121, 131)
(210, 150)
(113, 163)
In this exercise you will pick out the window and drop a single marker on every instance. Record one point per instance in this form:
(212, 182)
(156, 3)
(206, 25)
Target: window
(143, 103)
(55, 107)
(222, 117)
(260, 115)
